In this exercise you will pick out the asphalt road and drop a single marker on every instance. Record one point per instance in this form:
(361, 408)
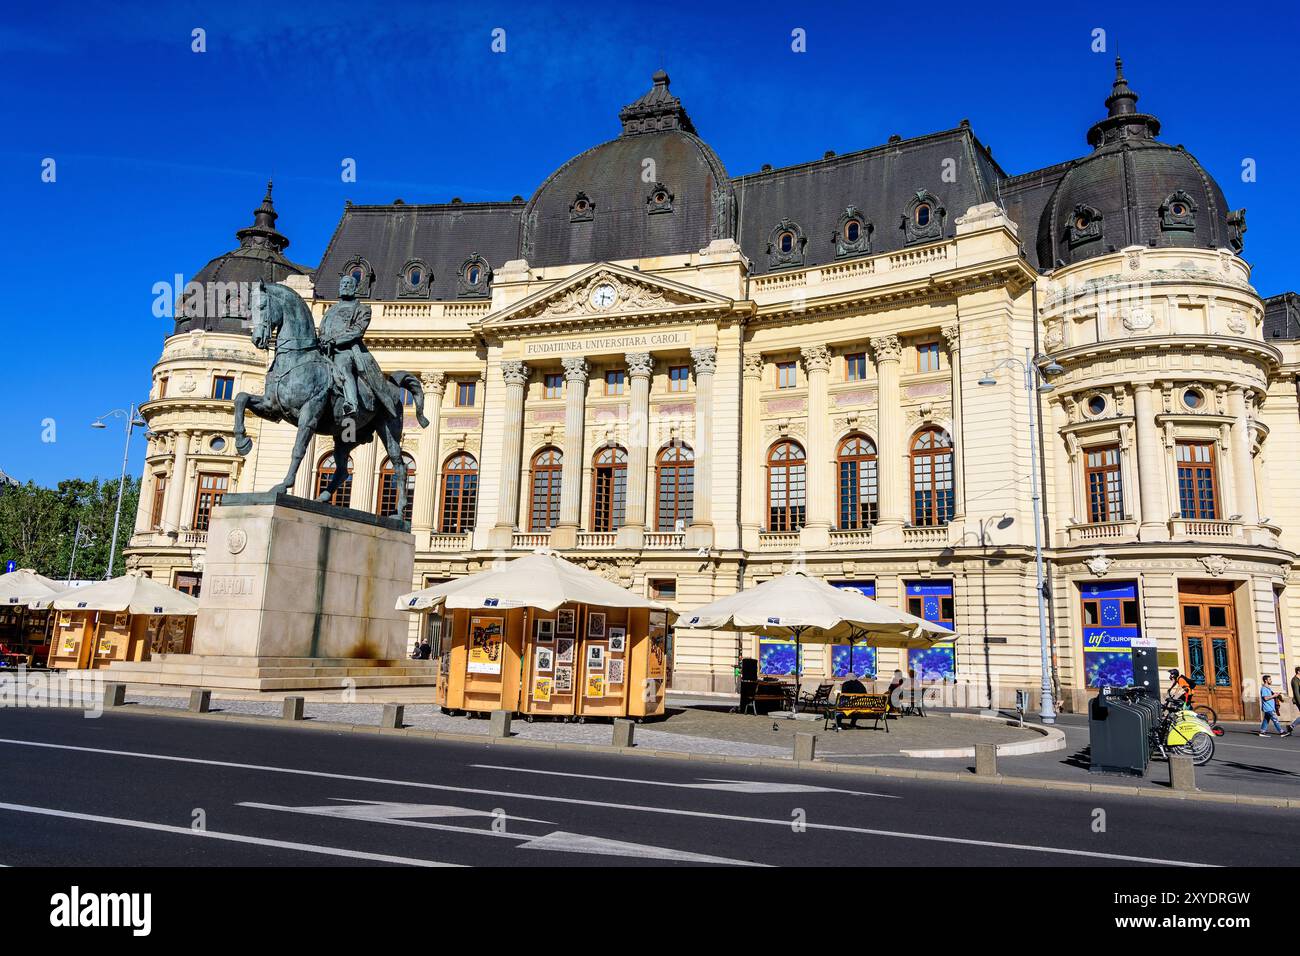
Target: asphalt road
(155, 791)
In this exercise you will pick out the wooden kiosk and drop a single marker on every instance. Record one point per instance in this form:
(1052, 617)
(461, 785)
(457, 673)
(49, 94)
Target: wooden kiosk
(577, 660)
(123, 619)
(24, 616)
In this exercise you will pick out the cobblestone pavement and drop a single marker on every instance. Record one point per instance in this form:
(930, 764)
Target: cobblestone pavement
(697, 729)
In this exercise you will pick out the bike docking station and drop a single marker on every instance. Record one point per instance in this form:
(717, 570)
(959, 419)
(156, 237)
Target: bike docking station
(1120, 727)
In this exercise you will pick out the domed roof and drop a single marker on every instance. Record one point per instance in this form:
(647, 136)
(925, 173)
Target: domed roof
(657, 189)
(1133, 190)
(214, 300)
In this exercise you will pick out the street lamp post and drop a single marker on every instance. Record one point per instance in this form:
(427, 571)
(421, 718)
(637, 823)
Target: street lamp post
(133, 420)
(1035, 382)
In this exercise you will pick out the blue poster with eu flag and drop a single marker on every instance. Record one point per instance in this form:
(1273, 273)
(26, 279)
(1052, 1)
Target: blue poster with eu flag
(934, 602)
(857, 659)
(1108, 632)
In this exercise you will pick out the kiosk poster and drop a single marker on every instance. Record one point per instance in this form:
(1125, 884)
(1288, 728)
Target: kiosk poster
(614, 676)
(658, 647)
(1109, 629)
(564, 680)
(545, 660)
(69, 645)
(542, 690)
(617, 640)
(485, 637)
(595, 685)
(564, 621)
(564, 650)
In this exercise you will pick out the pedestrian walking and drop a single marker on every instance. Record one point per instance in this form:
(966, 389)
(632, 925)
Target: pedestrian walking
(1268, 698)
(1295, 698)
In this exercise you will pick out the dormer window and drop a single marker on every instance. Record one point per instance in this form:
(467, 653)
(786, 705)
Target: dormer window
(474, 278)
(415, 279)
(852, 230)
(785, 245)
(582, 209)
(660, 199)
(1178, 213)
(786, 241)
(1085, 226)
(922, 220)
(359, 269)
(852, 234)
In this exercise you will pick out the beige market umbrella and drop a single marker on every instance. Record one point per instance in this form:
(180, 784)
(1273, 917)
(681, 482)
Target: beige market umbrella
(133, 592)
(800, 606)
(26, 587)
(542, 580)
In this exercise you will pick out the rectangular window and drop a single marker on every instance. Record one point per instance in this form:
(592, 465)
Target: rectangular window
(552, 385)
(1105, 485)
(1198, 497)
(211, 490)
(678, 378)
(614, 381)
(465, 392)
(855, 367)
(663, 589)
(162, 386)
(927, 357)
(223, 387)
(787, 376)
(159, 496)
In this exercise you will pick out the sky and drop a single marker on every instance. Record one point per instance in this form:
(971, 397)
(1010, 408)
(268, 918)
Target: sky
(161, 153)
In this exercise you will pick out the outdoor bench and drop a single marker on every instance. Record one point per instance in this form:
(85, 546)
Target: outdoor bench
(848, 706)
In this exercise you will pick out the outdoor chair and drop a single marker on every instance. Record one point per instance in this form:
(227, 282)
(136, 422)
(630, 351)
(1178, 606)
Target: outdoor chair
(818, 698)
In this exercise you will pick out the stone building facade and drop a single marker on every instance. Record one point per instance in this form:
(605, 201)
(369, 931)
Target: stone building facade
(691, 382)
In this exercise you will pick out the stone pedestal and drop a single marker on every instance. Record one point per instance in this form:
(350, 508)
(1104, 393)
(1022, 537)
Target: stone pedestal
(285, 577)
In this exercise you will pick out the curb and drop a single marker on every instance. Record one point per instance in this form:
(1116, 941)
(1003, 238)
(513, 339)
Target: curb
(1053, 738)
(1032, 783)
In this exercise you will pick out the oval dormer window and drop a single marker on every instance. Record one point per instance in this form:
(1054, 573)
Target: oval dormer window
(786, 241)
(414, 275)
(852, 230)
(580, 206)
(357, 274)
(472, 275)
(922, 214)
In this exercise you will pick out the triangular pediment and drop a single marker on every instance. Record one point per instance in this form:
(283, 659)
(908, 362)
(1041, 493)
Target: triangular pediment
(604, 290)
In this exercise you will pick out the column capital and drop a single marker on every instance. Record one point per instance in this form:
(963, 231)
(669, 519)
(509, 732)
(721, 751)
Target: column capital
(952, 336)
(753, 365)
(639, 364)
(514, 372)
(705, 360)
(887, 348)
(575, 369)
(816, 358)
(433, 381)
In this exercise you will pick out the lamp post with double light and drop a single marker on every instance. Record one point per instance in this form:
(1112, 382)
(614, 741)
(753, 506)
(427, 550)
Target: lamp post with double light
(133, 421)
(1035, 372)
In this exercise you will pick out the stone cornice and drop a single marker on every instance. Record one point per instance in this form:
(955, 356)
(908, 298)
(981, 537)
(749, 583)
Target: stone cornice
(1186, 344)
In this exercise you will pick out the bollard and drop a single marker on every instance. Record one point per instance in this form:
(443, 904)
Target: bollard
(499, 723)
(805, 746)
(392, 716)
(114, 695)
(623, 732)
(986, 760)
(293, 708)
(1182, 772)
(200, 700)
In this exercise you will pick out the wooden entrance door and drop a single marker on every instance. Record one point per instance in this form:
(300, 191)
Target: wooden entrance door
(1210, 646)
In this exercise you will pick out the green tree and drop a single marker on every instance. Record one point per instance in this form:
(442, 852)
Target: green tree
(38, 526)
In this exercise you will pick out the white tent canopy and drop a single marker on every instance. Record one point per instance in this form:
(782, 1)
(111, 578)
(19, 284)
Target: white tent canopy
(133, 592)
(25, 586)
(541, 580)
(802, 606)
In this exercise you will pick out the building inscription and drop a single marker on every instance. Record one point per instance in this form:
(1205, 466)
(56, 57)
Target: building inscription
(608, 343)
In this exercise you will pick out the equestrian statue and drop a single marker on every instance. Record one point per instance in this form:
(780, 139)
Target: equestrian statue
(327, 385)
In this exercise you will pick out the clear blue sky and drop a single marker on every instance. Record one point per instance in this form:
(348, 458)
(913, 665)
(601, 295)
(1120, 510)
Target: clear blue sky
(163, 153)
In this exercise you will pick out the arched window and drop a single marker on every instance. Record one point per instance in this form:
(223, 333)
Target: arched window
(859, 485)
(609, 489)
(544, 511)
(324, 473)
(675, 487)
(388, 490)
(459, 494)
(787, 487)
(933, 496)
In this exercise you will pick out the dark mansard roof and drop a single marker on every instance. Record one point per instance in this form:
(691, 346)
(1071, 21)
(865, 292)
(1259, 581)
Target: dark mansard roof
(658, 189)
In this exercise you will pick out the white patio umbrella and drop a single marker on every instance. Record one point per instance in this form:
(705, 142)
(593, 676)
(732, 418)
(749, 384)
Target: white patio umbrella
(132, 592)
(541, 580)
(25, 586)
(800, 606)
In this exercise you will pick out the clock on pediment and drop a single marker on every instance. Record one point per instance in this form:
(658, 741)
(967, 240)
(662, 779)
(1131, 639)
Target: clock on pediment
(603, 295)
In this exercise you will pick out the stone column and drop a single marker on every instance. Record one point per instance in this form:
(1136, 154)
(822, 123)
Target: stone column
(1151, 468)
(176, 483)
(819, 490)
(515, 375)
(700, 533)
(753, 474)
(888, 353)
(1063, 465)
(148, 481)
(565, 534)
(640, 367)
(1243, 466)
(424, 515)
(952, 335)
(364, 458)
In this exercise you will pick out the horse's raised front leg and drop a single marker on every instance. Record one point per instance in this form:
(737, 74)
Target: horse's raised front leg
(308, 419)
(243, 444)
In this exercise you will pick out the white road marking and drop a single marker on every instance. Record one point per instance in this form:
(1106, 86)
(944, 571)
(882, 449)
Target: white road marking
(669, 811)
(711, 783)
(217, 835)
(387, 810)
(558, 840)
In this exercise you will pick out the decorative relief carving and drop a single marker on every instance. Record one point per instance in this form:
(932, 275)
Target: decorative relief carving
(816, 358)
(1099, 564)
(951, 336)
(887, 348)
(784, 429)
(1215, 564)
(630, 296)
(514, 372)
(639, 364)
(433, 381)
(753, 365)
(705, 360)
(576, 369)
(927, 413)
(1136, 319)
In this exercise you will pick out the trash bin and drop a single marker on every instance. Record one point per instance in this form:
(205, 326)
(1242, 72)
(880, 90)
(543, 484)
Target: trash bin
(1119, 731)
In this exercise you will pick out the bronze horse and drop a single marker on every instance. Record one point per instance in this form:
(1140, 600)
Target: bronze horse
(300, 388)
